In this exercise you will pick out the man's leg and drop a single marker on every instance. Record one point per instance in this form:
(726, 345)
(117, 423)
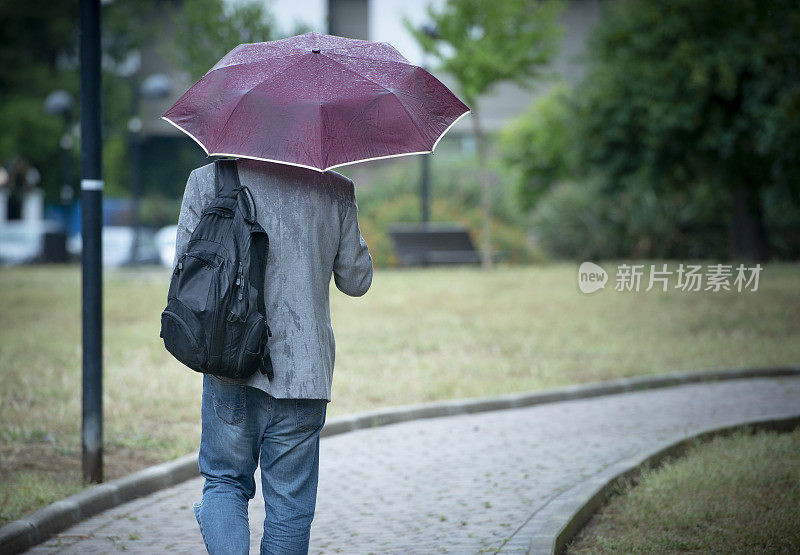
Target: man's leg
(233, 417)
(289, 473)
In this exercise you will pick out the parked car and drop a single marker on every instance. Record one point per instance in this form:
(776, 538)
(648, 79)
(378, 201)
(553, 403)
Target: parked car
(23, 242)
(165, 242)
(118, 246)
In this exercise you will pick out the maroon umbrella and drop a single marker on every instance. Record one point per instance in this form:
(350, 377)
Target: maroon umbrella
(316, 101)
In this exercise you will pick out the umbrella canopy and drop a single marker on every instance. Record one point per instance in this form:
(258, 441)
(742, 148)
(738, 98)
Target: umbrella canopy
(316, 101)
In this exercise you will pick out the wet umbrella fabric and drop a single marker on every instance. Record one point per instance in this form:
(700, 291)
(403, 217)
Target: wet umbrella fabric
(316, 101)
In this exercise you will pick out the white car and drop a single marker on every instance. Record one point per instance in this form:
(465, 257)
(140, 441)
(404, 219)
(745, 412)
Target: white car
(118, 246)
(22, 242)
(165, 243)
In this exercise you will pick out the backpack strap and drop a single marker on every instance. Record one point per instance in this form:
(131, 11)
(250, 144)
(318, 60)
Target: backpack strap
(228, 185)
(227, 178)
(266, 364)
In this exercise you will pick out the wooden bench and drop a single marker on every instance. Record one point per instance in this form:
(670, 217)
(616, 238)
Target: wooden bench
(436, 243)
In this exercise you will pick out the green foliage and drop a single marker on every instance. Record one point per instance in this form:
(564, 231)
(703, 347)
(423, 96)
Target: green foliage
(39, 54)
(687, 90)
(128, 26)
(24, 124)
(683, 104)
(116, 169)
(38, 37)
(206, 30)
(580, 220)
(541, 143)
(36, 33)
(482, 42)
(391, 195)
(783, 221)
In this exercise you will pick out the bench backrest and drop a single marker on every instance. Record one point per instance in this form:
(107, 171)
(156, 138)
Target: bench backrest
(433, 244)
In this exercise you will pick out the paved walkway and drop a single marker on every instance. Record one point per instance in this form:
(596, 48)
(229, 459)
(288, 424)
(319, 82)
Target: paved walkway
(457, 484)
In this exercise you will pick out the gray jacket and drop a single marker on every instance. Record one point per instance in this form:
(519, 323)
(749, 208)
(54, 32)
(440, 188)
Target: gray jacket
(312, 222)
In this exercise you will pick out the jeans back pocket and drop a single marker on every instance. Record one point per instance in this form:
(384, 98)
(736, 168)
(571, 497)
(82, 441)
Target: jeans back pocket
(230, 399)
(310, 413)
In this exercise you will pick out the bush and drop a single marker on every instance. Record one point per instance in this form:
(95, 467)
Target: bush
(541, 145)
(581, 220)
(687, 115)
(389, 193)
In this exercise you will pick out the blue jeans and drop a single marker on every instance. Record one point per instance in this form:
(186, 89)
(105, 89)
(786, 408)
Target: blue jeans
(241, 424)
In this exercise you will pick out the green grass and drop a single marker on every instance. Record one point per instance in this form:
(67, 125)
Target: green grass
(418, 335)
(737, 494)
(25, 490)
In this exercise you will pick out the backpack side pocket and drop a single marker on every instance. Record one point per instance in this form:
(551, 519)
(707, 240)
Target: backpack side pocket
(181, 332)
(252, 344)
(189, 322)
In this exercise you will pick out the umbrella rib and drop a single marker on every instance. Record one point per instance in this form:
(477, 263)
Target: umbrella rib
(300, 52)
(264, 60)
(406, 63)
(322, 157)
(227, 121)
(338, 49)
(421, 134)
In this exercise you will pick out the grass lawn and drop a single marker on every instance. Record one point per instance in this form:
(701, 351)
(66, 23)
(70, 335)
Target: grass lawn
(418, 335)
(737, 494)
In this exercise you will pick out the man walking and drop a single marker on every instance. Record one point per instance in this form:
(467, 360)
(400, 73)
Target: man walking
(312, 101)
(311, 218)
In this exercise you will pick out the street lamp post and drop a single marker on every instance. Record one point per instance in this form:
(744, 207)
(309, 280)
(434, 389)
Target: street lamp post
(425, 187)
(91, 225)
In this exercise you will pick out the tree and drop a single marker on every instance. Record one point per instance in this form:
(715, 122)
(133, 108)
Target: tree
(541, 144)
(39, 54)
(206, 30)
(481, 43)
(36, 37)
(681, 92)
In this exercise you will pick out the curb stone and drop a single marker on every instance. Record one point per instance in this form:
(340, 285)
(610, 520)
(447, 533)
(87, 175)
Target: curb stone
(393, 415)
(564, 516)
(37, 527)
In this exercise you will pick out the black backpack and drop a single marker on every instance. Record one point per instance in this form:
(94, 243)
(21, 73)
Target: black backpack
(215, 319)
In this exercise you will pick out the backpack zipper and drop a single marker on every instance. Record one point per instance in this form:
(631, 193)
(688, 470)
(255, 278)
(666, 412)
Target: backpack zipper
(240, 281)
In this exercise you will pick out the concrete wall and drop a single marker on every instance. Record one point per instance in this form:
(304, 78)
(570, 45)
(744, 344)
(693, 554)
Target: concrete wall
(349, 18)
